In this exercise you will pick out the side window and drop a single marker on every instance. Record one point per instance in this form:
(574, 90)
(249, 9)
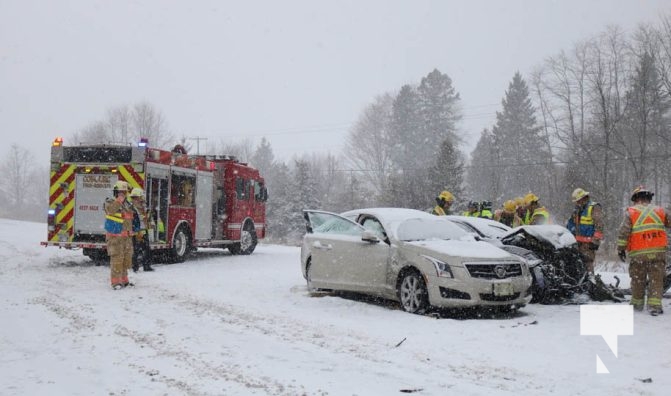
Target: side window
(183, 191)
(241, 189)
(327, 223)
(375, 226)
(260, 191)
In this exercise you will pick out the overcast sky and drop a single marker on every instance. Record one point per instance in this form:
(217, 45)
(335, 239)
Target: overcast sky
(297, 72)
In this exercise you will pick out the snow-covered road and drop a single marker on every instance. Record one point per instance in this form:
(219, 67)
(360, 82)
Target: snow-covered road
(237, 325)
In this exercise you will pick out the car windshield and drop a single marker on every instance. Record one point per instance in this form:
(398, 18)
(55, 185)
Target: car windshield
(428, 228)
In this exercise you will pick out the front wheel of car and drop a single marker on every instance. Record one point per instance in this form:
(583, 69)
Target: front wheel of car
(413, 294)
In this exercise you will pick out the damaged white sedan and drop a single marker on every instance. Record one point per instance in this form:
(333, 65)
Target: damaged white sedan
(410, 256)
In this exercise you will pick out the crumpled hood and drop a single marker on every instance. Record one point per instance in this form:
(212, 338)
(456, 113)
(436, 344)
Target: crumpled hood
(464, 249)
(556, 235)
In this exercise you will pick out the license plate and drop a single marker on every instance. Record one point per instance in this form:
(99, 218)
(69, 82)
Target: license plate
(503, 289)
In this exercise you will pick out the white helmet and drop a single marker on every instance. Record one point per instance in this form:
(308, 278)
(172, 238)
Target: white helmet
(137, 192)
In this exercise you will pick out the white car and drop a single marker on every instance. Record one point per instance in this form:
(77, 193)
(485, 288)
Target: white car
(410, 256)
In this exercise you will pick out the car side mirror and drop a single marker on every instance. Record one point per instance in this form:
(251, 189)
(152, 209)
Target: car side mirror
(369, 236)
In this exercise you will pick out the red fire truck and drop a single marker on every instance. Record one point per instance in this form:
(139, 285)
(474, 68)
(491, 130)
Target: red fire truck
(194, 200)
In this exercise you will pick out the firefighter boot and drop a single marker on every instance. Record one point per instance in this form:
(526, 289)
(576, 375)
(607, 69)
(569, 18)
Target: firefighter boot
(147, 268)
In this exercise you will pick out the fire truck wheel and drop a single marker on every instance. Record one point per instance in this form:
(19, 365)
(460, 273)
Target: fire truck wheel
(180, 245)
(247, 242)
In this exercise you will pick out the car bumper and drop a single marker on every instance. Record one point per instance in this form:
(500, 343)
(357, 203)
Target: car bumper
(452, 293)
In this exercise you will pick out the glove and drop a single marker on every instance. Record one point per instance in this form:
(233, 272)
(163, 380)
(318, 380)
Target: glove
(622, 255)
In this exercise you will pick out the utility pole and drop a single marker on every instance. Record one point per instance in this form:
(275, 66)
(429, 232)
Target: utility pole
(197, 139)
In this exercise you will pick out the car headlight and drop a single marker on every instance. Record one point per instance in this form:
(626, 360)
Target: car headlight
(442, 268)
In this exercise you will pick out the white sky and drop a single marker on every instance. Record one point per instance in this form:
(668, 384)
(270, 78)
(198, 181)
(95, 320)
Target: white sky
(297, 72)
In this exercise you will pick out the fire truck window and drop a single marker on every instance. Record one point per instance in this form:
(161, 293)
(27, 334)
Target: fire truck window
(241, 189)
(260, 192)
(182, 192)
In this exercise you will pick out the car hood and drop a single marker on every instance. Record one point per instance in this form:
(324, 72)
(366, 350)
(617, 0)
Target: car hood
(557, 236)
(463, 249)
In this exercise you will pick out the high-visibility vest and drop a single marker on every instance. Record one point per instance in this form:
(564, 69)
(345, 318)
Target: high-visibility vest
(486, 213)
(538, 211)
(471, 214)
(647, 230)
(584, 231)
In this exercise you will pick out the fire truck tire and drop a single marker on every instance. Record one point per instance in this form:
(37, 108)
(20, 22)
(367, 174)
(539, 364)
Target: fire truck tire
(248, 241)
(181, 245)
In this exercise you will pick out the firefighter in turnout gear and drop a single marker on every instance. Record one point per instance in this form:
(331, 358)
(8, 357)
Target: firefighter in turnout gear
(119, 235)
(586, 224)
(508, 215)
(443, 203)
(141, 250)
(473, 209)
(643, 235)
(486, 210)
(534, 214)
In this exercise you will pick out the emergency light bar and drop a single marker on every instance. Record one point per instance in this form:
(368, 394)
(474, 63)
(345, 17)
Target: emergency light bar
(58, 142)
(143, 142)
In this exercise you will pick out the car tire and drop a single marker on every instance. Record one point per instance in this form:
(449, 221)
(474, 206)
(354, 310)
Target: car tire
(308, 277)
(413, 294)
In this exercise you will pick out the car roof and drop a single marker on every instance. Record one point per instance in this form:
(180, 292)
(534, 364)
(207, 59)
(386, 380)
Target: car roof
(389, 214)
(477, 222)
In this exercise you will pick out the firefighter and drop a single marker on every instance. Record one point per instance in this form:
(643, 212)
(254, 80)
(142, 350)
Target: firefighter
(534, 214)
(508, 215)
(586, 223)
(473, 209)
(443, 203)
(119, 234)
(520, 209)
(643, 234)
(486, 210)
(141, 250)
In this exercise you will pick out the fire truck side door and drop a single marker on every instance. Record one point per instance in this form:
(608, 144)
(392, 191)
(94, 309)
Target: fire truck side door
(204, 186)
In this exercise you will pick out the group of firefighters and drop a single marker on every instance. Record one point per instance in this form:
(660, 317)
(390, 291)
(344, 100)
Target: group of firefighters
(642, 234)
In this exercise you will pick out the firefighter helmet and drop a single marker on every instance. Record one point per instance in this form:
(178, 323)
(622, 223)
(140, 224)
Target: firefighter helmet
(509, 206)
(519, 201)
(120, 186)
(137, 192)
(641, 192)
(446, 196)
(579, 194)
(530, 198)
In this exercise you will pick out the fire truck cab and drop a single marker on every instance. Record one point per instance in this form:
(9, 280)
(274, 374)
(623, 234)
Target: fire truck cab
(193, 200)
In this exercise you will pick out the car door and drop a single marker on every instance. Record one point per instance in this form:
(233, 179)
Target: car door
(371, 266)
(335, 243)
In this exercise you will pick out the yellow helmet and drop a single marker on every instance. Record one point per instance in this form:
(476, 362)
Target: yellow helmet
(579, 194)
(120, 186)
(529, 198)
(519, 201)
(137, 192)
(447, 196)
(509, 206)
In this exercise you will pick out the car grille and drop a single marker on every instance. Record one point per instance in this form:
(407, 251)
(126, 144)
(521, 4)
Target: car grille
(494, 270)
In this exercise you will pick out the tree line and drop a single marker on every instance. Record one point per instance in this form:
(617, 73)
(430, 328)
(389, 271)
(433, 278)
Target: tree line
(594, 116)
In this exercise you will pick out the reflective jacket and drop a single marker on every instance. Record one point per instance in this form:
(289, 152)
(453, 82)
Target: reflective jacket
(509, 219)
(439, 211)
(647, 233)
(486, 213)
(586, 230)
(118, 218)
(530, 218)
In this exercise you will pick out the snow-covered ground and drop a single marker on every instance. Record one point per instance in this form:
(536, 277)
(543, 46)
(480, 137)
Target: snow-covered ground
(239, 325)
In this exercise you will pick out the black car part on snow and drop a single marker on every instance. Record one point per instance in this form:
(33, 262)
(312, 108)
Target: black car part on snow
(560, 276)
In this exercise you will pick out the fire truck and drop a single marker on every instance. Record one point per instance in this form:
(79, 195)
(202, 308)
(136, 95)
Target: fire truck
(193, 200)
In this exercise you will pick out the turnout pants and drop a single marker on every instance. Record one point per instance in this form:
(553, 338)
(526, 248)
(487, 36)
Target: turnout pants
(120, 250)
(651, 272)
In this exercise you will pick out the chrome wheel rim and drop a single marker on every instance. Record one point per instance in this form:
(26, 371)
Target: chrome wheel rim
(411, 293)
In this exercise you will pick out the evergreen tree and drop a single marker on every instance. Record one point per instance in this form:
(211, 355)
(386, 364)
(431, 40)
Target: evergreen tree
(447, 173)
(304, 196)
(523, 154)
(279, 207)
(484, 173)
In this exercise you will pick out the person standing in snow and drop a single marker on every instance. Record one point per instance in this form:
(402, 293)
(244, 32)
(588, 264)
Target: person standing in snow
(586, 224)
(535, 214)
(443, 203)
(643, 234)
(141, 249)
(119, 234)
